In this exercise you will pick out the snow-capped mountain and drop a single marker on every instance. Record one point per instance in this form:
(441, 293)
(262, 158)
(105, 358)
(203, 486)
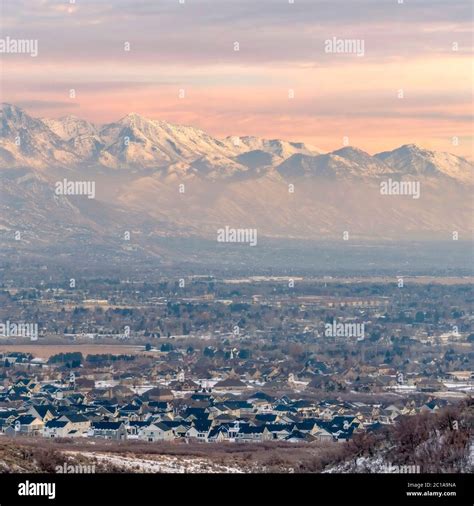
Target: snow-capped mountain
(346, 162)
(136, 142)
(137, 165)
(411, 159)
(81, 137)
(279, 148)
(69, 127)
(368, 165)
(140, 143)
(26, 141)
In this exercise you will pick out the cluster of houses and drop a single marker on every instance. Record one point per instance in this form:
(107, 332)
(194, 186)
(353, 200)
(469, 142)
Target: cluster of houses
(227, 412)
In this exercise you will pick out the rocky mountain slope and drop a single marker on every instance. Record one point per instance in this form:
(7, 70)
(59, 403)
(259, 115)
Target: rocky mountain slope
(163, 179)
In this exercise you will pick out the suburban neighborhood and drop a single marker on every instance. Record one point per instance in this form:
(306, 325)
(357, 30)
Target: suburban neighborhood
(226, 410)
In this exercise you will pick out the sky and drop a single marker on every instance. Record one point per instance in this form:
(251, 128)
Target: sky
(412, 83)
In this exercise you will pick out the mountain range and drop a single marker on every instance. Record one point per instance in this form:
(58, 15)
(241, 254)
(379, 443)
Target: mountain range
(159, 180)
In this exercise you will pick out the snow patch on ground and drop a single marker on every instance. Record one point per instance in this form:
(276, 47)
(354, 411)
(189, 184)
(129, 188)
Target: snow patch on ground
(160, 464)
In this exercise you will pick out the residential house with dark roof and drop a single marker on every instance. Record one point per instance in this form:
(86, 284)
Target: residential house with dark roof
(158, 431)
(45, 412)
(79, 423)
(56, 428)
(109, 430)
(230, 385)
(199, 430)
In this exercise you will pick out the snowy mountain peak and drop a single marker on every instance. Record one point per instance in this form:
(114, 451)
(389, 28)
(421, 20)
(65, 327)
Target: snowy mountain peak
(13, 118)
(133, 119)
(69, 127)
(277, 147)
(362, 162)
(411, 147)
(28, 142)
(414, 160)
(350, 151)
(10, 110)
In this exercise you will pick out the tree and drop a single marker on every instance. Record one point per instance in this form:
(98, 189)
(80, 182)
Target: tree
(244, 354)
(208, 352)
(420, 317)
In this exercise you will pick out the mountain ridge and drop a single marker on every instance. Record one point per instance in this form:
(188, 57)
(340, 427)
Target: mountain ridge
(138, 142)
(164, 180)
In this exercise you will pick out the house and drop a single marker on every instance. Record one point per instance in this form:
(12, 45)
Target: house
(28, 424)
(218, 410)
(266, 418)
(341, 427)
(326, 383)
(134, 428)
(77, 422)
(218, 434)
(158, 431)
(130, 412)
(75, 398)
(196, 413)
(304, 407)
(108, 430)
(248, 433)
(56, 428)
(299, 437)
(316, 430)
(282, 409)
(199, 430)
(259, 398)
(52, 390)
(184, 385)
(120, 392)
(19, 393)
(429, 385)
(345, 421)
(108, 410)
(342, 436)
(7, 418)
(387, 415)
(209, 399)
(44, 412)
(320, 433)
(230, 385)
(178, 427)
(432, 406)
(158, 394)
(279, 430)
(157, 407)
(238, 408)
